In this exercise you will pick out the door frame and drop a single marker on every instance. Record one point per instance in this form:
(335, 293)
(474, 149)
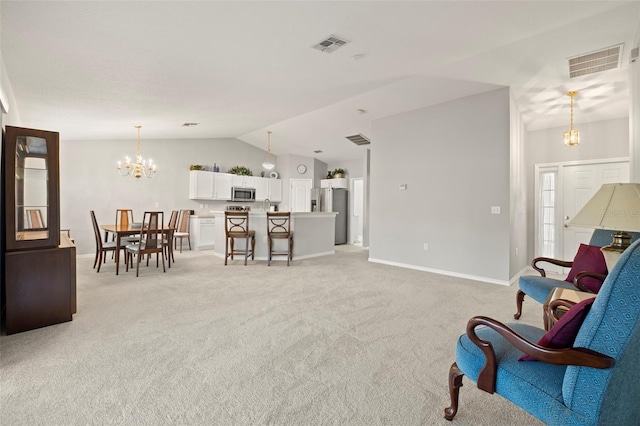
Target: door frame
(559, 197)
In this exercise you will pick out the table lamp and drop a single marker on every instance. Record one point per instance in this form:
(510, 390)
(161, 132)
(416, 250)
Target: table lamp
(614, 206)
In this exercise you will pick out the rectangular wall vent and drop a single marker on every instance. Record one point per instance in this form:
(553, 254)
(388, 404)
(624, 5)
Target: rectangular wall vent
(330, 44)
(598, 61)
(359, 139)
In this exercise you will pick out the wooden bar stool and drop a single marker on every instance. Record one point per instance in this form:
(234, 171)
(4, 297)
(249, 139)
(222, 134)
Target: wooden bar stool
(236, 225)
(279, 228)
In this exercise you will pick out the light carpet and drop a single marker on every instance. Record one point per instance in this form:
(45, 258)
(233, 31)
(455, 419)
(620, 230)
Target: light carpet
(333, 340)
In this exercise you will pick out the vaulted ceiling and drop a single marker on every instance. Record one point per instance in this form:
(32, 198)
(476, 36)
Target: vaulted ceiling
(92, 69)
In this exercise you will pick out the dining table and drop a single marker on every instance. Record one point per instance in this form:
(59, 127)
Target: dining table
(133, 229)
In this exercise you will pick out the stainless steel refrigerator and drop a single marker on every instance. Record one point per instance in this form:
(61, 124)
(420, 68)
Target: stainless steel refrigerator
(337, 200)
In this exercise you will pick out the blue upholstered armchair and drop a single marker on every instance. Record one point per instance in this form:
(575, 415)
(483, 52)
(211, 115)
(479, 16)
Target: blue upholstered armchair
(539, 287)
(595, 382)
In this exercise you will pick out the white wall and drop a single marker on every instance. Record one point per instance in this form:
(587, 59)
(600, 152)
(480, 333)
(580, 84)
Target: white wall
(89, 179)
(598, 140)
(454, 159)
(518, 259)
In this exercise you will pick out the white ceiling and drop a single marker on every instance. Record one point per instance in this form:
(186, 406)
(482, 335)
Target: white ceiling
(93, 70)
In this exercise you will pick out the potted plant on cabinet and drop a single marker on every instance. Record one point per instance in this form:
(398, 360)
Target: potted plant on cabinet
(338, 173)
(240, 170)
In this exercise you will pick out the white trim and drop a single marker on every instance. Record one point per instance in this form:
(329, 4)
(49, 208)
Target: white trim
(579, 162)
(522, 272)
(4, 102)
(441, 272)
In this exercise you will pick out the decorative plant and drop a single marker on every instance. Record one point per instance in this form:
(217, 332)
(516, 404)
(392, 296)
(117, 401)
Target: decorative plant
(196, 167)
(240, 170)
(339, 171)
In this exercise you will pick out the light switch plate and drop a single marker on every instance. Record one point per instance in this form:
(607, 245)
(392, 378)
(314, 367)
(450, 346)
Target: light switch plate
(495, 209)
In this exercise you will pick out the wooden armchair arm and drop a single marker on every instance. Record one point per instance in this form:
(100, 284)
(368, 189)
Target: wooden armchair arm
(563, 263)
(571, 356)
(555, 304)
(581, 275)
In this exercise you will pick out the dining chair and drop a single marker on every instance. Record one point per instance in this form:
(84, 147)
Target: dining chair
(182, 230)
(236, 225)
(170, 235)
(124, 217)
(279, 228)
(152, 240)
(101, 247)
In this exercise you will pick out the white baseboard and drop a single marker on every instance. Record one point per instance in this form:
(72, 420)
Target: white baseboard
(441, 272)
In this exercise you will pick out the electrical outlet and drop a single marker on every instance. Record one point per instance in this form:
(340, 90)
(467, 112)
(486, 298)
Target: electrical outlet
(403, 186)
(516, 251)
(157, 204)
(426, 246)
(264, 239)
(495, 209)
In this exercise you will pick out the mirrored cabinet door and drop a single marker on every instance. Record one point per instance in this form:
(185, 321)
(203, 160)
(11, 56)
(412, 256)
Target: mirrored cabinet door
(31, 188)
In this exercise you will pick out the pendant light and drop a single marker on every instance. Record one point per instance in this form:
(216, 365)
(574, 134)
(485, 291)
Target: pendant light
(572, 136)
(269, 159)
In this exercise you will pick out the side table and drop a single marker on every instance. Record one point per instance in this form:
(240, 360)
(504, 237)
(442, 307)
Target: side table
(575, 296)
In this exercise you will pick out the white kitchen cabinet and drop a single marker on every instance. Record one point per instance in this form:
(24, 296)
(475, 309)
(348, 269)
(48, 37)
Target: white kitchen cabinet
(334, 183)
(262, 188)
(275, 190)
(202, 232)
(244, 181)
(201, 185)
(222, 183)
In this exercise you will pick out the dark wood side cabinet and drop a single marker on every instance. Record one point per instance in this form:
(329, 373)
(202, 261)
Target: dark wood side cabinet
(39, 274)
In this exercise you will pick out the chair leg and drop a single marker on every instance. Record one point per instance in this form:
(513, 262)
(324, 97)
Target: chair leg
(269, 242)
(138, 264)
(99, 259)
(189, 241)
(181, 244)
(455, 382)
(163, 268)
(519, 299)
(253, 247)
(95, 261)
(226, 249)
(232, 243)
(246, 252)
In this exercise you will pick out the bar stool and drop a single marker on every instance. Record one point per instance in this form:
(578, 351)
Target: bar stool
(279, 228)
(236, 225)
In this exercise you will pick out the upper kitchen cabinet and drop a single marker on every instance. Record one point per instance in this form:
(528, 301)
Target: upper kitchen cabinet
(222, 183)
(31, 189)
(262, 188)
(334, 183)
(244, 181)
(200, 185)
(210, 186)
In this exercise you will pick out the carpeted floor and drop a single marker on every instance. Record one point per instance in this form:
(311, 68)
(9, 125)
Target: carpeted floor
(333, 340)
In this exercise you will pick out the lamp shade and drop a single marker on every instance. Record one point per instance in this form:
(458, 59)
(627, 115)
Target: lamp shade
(614, 206)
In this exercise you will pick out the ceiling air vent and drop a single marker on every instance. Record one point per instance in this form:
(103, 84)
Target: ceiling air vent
(598, 61)
(359, 139)
(330, 44)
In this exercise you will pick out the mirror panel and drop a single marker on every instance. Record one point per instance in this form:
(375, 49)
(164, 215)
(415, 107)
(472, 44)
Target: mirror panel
(31, 189)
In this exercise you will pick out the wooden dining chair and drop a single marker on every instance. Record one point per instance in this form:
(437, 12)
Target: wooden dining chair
(236, 225)
(152, 240)
(124, 217)
(170, 235)
(279, 228)
(182, 230)
(101, 247)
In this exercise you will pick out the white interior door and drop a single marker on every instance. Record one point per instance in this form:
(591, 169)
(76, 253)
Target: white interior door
(580, 182)
(300, 195)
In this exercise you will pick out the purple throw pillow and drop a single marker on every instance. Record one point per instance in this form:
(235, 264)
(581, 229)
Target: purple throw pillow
(564, 332)
(588, 259)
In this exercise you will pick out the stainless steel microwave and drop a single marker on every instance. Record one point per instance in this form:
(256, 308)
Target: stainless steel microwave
(239, 193)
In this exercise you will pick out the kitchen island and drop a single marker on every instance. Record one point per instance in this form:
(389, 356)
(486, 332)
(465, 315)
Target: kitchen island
(313, 235)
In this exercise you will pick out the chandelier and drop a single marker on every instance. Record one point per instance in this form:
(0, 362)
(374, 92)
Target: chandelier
(572, 136)
(269, 159)
(140, 167)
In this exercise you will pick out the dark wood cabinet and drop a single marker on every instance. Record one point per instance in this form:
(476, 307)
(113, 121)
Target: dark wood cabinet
(39, 273)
